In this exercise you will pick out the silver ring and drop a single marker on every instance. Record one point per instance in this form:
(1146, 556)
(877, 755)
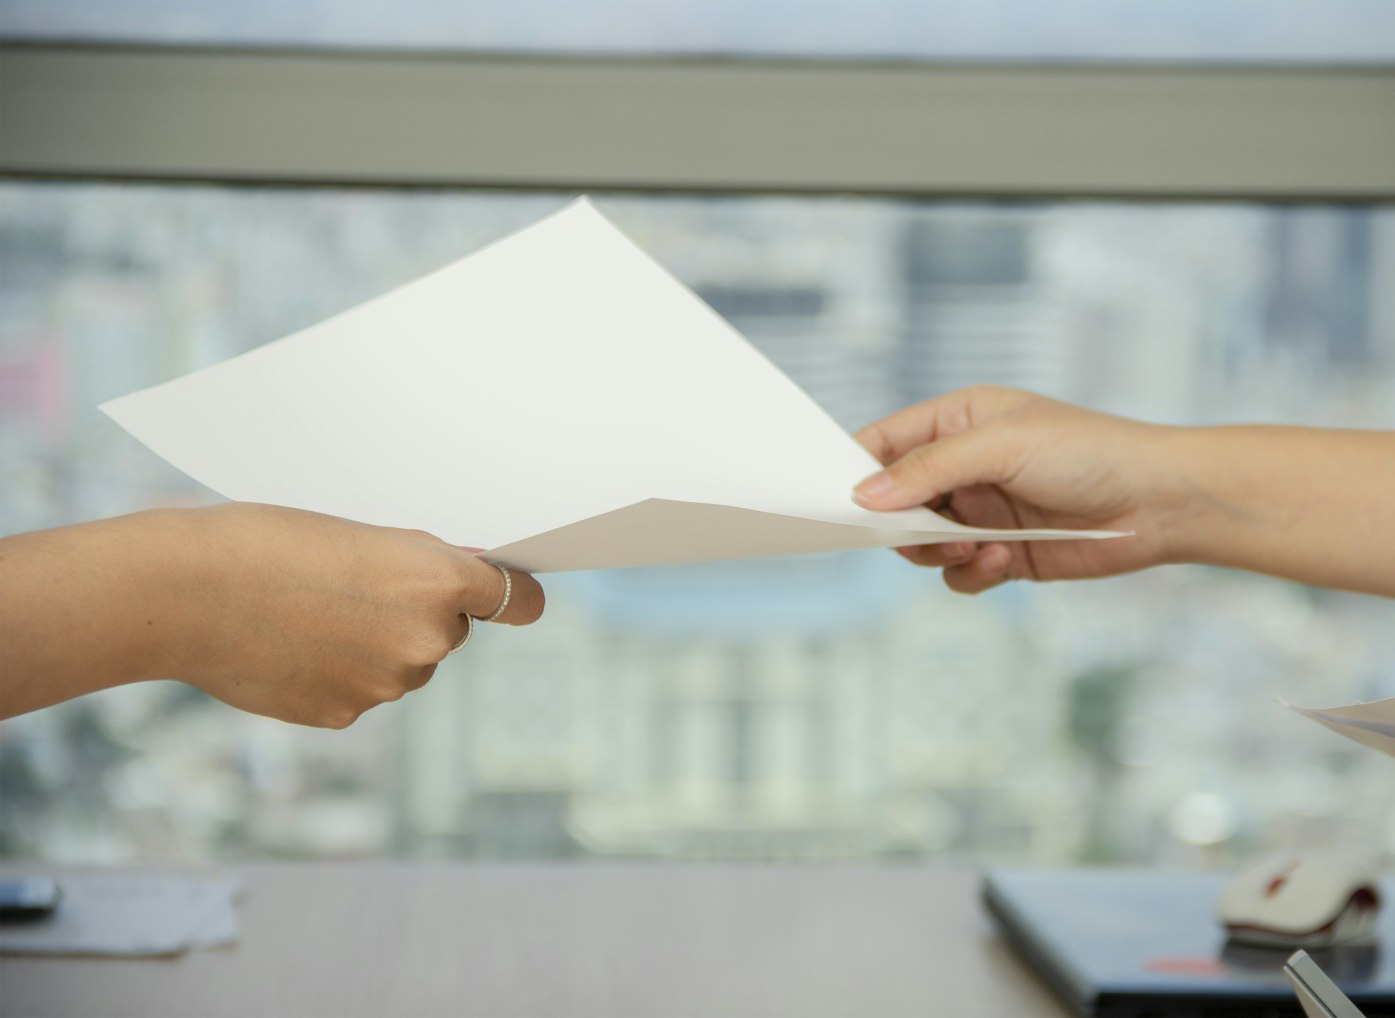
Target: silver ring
(508, 593)
(469, 632)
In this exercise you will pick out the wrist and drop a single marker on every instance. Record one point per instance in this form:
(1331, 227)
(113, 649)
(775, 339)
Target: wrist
(169, 583)
(1209, 509)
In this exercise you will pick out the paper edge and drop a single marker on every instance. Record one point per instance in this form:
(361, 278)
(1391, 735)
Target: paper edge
(580, 202)
(944, 537)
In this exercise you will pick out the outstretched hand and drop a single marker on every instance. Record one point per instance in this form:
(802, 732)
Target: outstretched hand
(319, 618)
(1001, 458)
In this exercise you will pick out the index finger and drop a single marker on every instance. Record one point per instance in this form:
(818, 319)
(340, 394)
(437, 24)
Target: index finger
(922, 423)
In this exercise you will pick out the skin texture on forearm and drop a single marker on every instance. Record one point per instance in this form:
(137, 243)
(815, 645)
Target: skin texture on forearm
(87, 607)
(1307, 504)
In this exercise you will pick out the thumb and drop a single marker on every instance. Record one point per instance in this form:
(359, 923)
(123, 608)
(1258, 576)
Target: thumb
(981, 456)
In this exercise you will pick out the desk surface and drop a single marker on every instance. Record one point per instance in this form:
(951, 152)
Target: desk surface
(418, 940)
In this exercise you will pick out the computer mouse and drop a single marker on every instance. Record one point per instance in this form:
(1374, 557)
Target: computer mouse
(1301, 901)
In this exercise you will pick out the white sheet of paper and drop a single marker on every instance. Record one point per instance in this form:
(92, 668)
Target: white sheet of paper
(131, 916)
(556, 398)
(1371, 724)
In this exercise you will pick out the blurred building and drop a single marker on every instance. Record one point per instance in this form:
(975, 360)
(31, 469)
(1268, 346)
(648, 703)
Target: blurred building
(836, 707)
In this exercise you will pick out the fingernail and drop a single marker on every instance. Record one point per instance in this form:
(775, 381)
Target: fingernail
(874, 488)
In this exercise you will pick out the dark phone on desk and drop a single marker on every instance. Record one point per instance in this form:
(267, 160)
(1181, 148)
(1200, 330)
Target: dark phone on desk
(28, 899)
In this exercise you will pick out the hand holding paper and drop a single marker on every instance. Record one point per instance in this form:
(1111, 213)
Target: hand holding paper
(657, 433)
(308, 618)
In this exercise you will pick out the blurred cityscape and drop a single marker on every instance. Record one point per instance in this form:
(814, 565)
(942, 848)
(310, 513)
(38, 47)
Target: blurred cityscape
(819, 708)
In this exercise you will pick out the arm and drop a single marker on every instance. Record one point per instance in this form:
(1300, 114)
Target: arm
(1307, 504)
(302, 617)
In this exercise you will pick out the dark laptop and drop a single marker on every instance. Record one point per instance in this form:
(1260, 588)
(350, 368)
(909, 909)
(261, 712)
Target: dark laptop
(1145, 942)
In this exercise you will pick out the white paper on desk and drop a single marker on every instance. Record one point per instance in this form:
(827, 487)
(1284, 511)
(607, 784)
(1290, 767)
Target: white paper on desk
(1371, 724)
(556, 398)
(131, 916)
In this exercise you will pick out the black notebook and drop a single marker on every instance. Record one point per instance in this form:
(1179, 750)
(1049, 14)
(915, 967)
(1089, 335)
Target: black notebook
(1145, 942)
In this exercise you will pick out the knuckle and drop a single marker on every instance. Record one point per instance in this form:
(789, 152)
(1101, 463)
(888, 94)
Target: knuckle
(420, 678)
(989, 391)
(391, 692)
(916, 468)
(427, 647)
(874, 440)
(340, 718)
(464, 582)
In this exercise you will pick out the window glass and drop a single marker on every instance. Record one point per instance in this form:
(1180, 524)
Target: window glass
(831, 707)
(1320, 31)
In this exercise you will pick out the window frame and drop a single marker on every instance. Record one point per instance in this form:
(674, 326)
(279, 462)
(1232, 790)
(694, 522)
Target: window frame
(354, 118)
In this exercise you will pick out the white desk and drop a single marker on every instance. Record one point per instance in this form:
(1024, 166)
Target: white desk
(462, 940)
